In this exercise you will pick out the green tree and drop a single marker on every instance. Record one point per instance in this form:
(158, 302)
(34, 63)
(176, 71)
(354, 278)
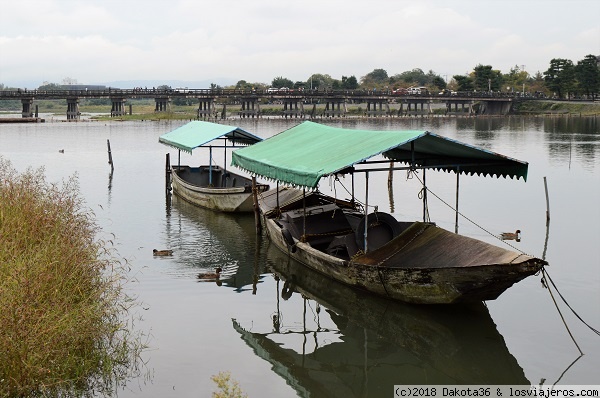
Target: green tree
(486, 79)
(415, 76)
(588, 76)
(319, 81)
(515, 79)
(464, 83)
(560, 76)
(378, 78)
(349, 83)
(50, 86)
(280, 82)
(438, 82)
(299, 85)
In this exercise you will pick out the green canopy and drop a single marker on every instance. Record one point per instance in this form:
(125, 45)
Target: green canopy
(198, 133)
(304, 154)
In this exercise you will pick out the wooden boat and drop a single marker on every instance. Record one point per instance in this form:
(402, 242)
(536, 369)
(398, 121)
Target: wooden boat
(211, 186)
(416, 262)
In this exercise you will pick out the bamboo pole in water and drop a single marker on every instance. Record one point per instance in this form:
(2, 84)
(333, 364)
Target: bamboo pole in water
(110, 161)
(547, 201)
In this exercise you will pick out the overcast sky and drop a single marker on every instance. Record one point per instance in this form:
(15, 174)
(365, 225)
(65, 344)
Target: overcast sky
(96, 42)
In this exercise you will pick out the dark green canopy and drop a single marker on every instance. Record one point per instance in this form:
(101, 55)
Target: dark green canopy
(304, 154)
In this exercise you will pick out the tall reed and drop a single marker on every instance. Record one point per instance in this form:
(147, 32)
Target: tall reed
(65, 318)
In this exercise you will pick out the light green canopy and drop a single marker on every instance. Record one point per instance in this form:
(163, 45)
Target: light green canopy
(198, 133)
(304, 154)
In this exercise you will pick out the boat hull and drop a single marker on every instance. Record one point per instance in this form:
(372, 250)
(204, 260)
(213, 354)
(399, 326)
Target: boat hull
(230, 194)
(400, 275)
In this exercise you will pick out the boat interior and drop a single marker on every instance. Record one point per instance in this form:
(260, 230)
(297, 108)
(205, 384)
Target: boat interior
(336, 227)
(213, 176)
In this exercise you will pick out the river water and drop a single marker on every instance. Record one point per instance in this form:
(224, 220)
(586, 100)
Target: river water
(327, 340)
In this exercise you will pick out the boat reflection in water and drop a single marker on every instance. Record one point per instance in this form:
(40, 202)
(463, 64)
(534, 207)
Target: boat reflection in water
(373, 343)
(204, 240)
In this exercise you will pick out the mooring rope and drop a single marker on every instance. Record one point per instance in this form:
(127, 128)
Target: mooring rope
(544, 271)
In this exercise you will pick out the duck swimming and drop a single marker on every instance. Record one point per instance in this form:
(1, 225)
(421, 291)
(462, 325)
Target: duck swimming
(162, 252)
(210, 275)
(511, 235)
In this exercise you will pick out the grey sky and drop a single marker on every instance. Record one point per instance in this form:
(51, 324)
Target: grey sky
(256, 40)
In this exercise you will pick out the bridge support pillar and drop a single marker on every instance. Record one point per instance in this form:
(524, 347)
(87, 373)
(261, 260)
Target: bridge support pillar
(496, 107)
(421, 107)
(466, 107)
(335, 107)
(73, 108)
(27, 105)
(206, 108)
(291, 108)
(250, 107)
(380, 107)
(118, 106)
(163, 104)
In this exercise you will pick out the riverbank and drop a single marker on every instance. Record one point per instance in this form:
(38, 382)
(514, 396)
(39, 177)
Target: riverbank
(145, 112)
(550, 107)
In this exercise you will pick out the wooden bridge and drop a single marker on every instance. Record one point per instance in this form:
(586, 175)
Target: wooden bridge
(294, 102)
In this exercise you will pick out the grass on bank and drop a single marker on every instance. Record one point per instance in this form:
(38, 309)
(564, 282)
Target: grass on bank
(65, 326)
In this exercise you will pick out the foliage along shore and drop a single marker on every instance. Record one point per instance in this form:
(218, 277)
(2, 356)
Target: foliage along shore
(272, 110)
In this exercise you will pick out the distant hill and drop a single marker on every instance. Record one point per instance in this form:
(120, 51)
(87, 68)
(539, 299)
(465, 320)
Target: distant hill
(173, 83)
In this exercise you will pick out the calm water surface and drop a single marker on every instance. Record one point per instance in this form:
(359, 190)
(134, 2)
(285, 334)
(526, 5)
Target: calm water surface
(323, 339)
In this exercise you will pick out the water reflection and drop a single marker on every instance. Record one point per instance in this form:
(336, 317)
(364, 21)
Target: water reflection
(373, 343)
(205, 240)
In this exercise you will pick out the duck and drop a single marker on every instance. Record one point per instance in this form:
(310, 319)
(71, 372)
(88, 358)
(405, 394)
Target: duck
(61, 151)
(162, 252)
(210, 275)
(511, 235)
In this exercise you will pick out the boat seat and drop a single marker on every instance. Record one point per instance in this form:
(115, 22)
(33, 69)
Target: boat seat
(343, 246)
(324, 223)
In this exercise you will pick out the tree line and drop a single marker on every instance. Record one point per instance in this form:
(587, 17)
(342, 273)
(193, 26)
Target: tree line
(562, 79)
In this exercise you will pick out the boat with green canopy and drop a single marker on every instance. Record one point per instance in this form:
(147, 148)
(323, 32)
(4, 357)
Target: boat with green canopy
(411, 261)
(210, 186)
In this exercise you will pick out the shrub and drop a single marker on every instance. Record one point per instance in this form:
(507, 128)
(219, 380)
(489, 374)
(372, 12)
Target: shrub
(64, 323)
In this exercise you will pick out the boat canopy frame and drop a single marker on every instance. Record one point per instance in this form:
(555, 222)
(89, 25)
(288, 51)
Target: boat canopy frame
(302, 155)
(307, 152)
(197, 134)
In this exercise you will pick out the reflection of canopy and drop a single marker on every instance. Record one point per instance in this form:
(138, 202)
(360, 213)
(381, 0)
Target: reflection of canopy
(229, 241)
(198, 133)
(304, 154)
(383, 343)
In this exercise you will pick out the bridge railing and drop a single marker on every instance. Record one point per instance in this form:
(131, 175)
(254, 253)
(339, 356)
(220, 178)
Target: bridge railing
(222, 92)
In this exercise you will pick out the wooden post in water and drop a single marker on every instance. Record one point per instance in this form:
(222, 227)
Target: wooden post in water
(547, 201)
(110, 161)
(168, 173)
(256, 210)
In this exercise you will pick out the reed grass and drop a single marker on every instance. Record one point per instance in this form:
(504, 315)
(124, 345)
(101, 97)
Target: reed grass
(65, 320)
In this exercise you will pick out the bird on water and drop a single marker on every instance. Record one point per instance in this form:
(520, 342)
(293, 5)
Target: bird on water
(210, 275)
(511, 235)
(162, 252)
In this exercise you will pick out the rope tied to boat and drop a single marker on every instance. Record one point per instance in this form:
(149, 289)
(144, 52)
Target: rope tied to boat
(393, 253)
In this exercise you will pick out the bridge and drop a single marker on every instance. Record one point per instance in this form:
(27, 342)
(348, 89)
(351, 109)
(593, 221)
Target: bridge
(293, 101)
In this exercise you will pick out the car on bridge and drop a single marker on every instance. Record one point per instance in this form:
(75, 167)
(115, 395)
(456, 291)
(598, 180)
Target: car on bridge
(417, 90)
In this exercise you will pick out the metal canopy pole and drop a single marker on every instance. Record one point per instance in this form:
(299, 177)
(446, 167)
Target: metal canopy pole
(366, 207)
(424, 195)
(210, 165)
(457, 187)
(225, 163)
(304, 213)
